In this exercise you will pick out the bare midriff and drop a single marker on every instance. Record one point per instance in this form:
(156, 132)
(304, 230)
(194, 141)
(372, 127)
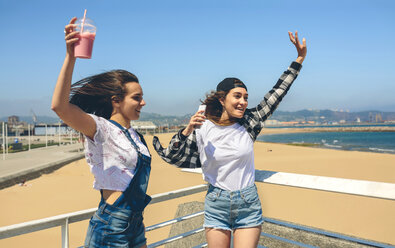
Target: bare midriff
(110, 196)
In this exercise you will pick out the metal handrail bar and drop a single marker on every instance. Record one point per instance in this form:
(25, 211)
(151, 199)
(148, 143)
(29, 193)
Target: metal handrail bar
(329, 234)
(287, 240)
(201, 245)
(177, 237)
(170, 222)
(41, 224)
(178, 193)
(65, 219)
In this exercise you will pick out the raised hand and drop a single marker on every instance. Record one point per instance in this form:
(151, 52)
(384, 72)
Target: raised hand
(70, 36)
(301, 48)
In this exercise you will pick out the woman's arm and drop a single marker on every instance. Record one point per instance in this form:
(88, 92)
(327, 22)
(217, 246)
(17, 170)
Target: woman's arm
(181, 152)
(255, 117)
(72, 115)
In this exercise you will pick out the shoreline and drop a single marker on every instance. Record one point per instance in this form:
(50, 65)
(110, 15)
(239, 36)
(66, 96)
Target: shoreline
(275, 130)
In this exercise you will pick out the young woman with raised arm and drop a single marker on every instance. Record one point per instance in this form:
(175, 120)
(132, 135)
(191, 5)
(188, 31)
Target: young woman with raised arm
(223, 148)
(101, 108)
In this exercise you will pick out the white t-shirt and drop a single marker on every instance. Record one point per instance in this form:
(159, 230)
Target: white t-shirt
(226, 155)
(111, 156)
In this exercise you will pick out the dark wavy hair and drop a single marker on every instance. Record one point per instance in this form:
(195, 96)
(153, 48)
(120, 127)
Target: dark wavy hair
(94, 94)
(214, 107)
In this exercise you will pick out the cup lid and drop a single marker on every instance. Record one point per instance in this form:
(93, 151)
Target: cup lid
(89, 25)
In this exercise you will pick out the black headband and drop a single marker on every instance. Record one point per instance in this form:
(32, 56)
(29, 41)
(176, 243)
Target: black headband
(230, 83)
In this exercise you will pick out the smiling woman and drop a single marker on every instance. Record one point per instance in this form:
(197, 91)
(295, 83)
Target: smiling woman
(96, 94)
(223, 147)
(228, 103)
(101, 108)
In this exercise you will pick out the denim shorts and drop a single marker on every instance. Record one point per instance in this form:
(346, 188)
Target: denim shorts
(229, 210)
(115, 227)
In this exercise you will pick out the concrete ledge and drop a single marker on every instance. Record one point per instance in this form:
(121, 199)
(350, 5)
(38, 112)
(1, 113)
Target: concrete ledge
(331, 184)
(309, 239)
(32, 173)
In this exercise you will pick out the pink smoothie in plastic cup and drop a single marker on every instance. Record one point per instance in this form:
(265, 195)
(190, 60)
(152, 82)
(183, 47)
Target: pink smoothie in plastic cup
(83, 47)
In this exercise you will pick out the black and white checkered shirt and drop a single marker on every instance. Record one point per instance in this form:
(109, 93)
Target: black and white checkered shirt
(183, 151)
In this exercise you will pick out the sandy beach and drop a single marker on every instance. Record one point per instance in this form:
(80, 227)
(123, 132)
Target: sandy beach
(69, 189)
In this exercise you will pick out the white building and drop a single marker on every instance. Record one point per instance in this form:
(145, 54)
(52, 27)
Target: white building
(144, 126)
(272, 123)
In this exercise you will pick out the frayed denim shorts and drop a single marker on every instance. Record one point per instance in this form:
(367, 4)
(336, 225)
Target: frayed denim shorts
(229, 210)
(115, 227)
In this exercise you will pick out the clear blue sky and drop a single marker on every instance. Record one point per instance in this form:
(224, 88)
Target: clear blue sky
(180, 50)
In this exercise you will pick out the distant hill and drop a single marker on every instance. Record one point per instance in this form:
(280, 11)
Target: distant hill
(161, 120)
(40, 119)
(155, 118)
(331, 116)
(302, 115)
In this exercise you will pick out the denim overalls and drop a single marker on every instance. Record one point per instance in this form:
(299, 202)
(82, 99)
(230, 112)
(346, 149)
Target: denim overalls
(121, 224)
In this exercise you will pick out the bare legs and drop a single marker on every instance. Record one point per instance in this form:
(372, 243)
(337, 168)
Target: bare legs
(217, 238)
(242, 237)
(246, 237)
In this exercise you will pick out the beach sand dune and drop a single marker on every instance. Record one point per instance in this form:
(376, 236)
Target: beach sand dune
(69, 189)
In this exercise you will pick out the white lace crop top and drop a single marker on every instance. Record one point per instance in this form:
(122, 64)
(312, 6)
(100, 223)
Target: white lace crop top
(111, 156)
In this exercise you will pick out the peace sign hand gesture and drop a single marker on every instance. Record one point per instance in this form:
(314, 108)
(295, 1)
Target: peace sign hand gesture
(301, 48)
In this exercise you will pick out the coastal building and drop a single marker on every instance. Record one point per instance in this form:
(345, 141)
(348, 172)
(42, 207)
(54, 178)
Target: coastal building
(289, 123)
(144, 126)
(13, 120)
(51, 129)
(272, 123)
(16, 127)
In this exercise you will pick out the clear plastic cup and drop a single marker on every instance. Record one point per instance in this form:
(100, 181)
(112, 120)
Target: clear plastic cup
(83, 47)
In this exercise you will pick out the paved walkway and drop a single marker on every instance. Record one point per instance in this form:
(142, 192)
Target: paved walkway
(21, 166)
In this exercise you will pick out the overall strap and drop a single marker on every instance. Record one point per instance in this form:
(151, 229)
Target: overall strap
(126, 132)
(141, 138)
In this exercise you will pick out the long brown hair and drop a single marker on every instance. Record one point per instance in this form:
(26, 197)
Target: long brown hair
(94, 94)
(214, 107)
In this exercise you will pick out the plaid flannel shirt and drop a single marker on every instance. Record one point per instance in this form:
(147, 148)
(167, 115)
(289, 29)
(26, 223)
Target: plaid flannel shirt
(183, 151)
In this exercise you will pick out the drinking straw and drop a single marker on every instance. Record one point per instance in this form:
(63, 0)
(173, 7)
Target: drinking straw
(83, 22)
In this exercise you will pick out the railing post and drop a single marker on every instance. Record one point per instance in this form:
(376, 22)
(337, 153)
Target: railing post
(59, 132)
(6, 138)
(65, 234)
(3, 142)
(46, 135)
(28, 130)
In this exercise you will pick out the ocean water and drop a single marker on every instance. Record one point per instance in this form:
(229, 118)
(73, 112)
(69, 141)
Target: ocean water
(382, 142)
(340, 125)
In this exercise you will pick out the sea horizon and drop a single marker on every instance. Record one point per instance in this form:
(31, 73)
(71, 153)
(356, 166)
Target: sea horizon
(377, 142)
(362, 124)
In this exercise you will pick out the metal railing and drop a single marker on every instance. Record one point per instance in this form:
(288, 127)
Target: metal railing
(64, 220)
(347, 186)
